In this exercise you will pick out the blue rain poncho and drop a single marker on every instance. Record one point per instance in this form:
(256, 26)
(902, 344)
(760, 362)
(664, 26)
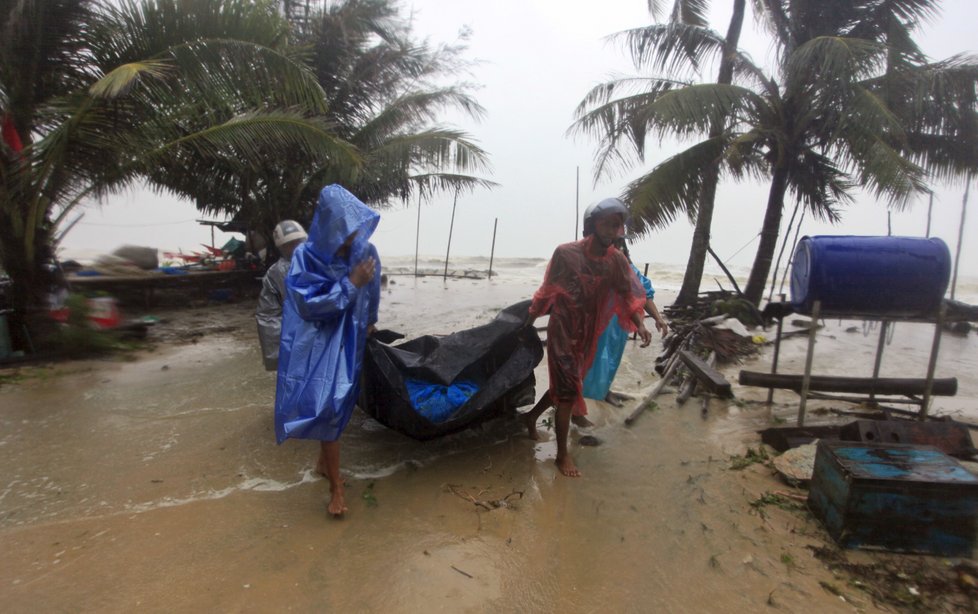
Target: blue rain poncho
(325, 320)
(611, 346)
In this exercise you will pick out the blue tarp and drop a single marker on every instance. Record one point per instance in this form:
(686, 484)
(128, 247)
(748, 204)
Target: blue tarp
(437, 402)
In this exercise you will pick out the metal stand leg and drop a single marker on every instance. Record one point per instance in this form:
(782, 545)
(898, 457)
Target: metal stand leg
(774, 361)
(884, 325)
(807, 378)
(932, 364)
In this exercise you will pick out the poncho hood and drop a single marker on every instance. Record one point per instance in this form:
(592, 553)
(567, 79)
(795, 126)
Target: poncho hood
(338, 215)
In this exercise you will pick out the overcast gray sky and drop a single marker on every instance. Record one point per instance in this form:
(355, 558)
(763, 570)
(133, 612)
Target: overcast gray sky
(538, 59)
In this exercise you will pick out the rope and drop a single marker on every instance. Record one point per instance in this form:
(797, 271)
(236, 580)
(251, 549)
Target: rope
(742, 248)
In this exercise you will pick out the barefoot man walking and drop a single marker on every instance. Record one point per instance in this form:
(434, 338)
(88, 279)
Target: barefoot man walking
(586, 283)
(333, 292)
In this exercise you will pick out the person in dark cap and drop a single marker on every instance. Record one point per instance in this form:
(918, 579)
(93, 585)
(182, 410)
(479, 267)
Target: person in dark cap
(587, 282)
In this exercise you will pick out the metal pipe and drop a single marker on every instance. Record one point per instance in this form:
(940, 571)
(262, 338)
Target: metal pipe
(807, 379)
(932, 363)
(884, 324)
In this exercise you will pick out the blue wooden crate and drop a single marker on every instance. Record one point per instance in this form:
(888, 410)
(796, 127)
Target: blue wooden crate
(895, 497)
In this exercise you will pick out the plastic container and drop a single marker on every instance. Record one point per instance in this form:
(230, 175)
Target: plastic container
(900, 277)
(104, 313)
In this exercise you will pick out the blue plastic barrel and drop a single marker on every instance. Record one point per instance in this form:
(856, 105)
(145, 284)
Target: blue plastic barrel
(870, 276)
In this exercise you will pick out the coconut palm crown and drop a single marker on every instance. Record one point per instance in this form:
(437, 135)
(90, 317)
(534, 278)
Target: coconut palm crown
(851, 103)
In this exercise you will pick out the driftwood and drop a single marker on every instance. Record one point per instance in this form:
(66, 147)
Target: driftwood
(686, 390)
(670, 367)
(863, 385)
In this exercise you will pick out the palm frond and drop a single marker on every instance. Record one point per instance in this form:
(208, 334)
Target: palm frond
(121, 80)
(819, 184)
(428, 184)
(677, 49)
(671, 188)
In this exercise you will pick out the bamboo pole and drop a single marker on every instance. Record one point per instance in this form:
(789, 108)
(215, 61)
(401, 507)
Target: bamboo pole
(492, 250)
(930, 208)
(784, 244)
(957, 252)
(791, 256)
(451, 227)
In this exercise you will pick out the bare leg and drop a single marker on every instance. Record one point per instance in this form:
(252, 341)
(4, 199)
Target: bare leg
(321, 461)
(562, 427)
(531, 417)
(329, 458)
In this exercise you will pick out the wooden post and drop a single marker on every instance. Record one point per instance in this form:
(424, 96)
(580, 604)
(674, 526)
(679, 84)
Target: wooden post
(492, 251)
(451, 227)
(417, 235)
(807, 379)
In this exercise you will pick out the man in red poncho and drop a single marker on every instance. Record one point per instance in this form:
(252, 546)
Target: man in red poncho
(587, 282)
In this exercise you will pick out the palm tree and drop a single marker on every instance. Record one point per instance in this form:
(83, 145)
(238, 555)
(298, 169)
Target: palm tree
(694, 13)
(384, 91)
(818, 129)
(95, 96)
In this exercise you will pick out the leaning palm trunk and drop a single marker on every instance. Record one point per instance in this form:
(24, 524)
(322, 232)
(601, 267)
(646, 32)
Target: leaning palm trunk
(769, 237)
(704, 213)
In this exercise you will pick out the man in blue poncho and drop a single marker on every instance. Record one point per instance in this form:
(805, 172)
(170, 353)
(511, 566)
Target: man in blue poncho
(331, 301)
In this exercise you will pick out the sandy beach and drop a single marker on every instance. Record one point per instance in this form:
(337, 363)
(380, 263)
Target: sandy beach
(153, 483)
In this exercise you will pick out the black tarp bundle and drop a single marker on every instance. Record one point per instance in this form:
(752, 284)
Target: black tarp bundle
(500, 355)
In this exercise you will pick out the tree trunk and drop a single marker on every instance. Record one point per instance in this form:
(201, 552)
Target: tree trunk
(701, 239)
(769, 237)
(28, 321)
(704, 214)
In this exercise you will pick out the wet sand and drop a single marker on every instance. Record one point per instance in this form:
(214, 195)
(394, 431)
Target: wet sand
(155, 484)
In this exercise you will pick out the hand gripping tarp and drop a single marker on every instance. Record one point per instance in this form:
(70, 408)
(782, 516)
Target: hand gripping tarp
(500, 356)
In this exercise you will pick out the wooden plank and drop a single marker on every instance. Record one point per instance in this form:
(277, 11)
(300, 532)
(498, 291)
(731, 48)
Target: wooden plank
(863, 385)
(708, 377)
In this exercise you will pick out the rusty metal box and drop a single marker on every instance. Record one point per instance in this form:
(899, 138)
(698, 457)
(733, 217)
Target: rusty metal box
(895, 497)
(951, 438)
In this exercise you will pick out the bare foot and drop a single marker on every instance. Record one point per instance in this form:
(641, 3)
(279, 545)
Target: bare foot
(337, 503)
(320, 469)
(531, 426)
(614, 399)
(581, 422)
(567, 467)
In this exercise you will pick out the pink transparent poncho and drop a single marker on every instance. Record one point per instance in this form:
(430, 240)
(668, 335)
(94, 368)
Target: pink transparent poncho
(581, 292)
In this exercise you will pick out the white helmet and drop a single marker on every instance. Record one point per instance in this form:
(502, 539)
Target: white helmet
(287, 231)
(608, 205)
